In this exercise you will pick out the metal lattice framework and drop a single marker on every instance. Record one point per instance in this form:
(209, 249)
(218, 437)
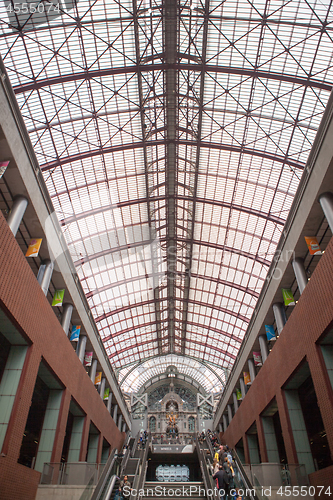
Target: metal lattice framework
(172, 136)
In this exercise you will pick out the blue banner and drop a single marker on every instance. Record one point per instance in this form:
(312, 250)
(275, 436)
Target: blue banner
(75, 333)
(270, 332)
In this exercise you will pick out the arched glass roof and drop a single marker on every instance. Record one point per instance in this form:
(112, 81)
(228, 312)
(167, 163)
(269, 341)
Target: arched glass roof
(172, 137)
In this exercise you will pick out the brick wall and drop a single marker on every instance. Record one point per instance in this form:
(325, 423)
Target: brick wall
(311, 317)
(24, 302)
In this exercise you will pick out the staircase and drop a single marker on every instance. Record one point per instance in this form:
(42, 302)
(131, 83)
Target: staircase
(157, 490)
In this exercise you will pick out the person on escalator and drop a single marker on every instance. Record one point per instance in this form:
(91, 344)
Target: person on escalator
(222, 483)
(121, 492)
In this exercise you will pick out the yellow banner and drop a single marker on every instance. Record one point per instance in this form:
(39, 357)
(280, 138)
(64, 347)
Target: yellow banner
(34, 247)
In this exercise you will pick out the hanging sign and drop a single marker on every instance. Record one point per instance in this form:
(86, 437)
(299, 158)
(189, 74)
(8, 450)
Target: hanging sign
(88, 358)
(3, 166)
(98, 378)
(239, 395)
(247, 378)
(288, 297)
(58, 297)
(270, 332)
(106, 394)
(313, 245)
(257, 358)
(33, 248)
(75, 333)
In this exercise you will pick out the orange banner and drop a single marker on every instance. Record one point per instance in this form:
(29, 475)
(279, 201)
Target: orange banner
(98, 378)
(34, 247)
(247, 378)
(313, 245)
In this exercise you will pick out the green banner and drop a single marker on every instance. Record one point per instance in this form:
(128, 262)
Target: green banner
(58, 297)
(239, 395)
(106, 394)
(288, 297)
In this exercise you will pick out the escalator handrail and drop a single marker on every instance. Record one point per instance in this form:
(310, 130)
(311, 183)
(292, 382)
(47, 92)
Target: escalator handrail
(105, 474)
(207, 478)
(143, 462)
(137, 437)
(245, 478)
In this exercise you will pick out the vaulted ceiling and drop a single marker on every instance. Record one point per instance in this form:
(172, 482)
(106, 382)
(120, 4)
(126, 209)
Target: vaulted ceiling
(172, 137)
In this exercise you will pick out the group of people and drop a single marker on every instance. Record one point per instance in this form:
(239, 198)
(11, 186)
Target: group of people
(224, 471)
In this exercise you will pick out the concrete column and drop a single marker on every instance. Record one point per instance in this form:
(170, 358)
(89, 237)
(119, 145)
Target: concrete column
(270, 440)
(9, 385)
(109, 404)
(115, 412)
(66, 317)
(102, 387)
(229, 413)
(234, 397)
(225, 423)
(280, 316)
(92, 448)
(220, 428)
(120, 420)
(252, 369)
(46, 276)
(326, 202)
(15, 216)
(252, 441)
(46, 443)
(81, 347)
(93, 368)
(263, 348)
(242, 387)
(299, 431)
(124, 427)
(300, 274)
(76, 439)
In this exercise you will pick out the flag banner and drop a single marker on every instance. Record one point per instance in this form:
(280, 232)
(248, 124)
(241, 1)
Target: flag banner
(106, 394)
(239, 395)
(247, 378)
(75, 333)
(34, 247)
(270, 332)
(313, 245)
(288, 297)
(58, 297)
(3, 166)
(98, 378)
(257, 358)
(88, 358)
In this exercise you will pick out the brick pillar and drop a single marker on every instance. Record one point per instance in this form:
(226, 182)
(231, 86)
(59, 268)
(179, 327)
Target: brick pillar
(287, 432)
(246, 449)
(99, 449)
(85, 437)
(323, 389)
(21, 407)
(261, 440)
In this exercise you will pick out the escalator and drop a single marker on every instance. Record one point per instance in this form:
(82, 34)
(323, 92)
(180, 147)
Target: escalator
(132, 464)
(240, 479)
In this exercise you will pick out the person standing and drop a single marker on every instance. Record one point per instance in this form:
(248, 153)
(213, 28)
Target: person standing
(223, 483)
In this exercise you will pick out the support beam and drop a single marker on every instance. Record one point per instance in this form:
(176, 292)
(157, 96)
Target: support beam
(300, 274)
(263, 347)
(66, 317)
(280, 316)
(15, 216)
(326, 202)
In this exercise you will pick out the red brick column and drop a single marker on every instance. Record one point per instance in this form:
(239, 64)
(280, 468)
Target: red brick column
(323, 388)
(261, 440)
(287, 432)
